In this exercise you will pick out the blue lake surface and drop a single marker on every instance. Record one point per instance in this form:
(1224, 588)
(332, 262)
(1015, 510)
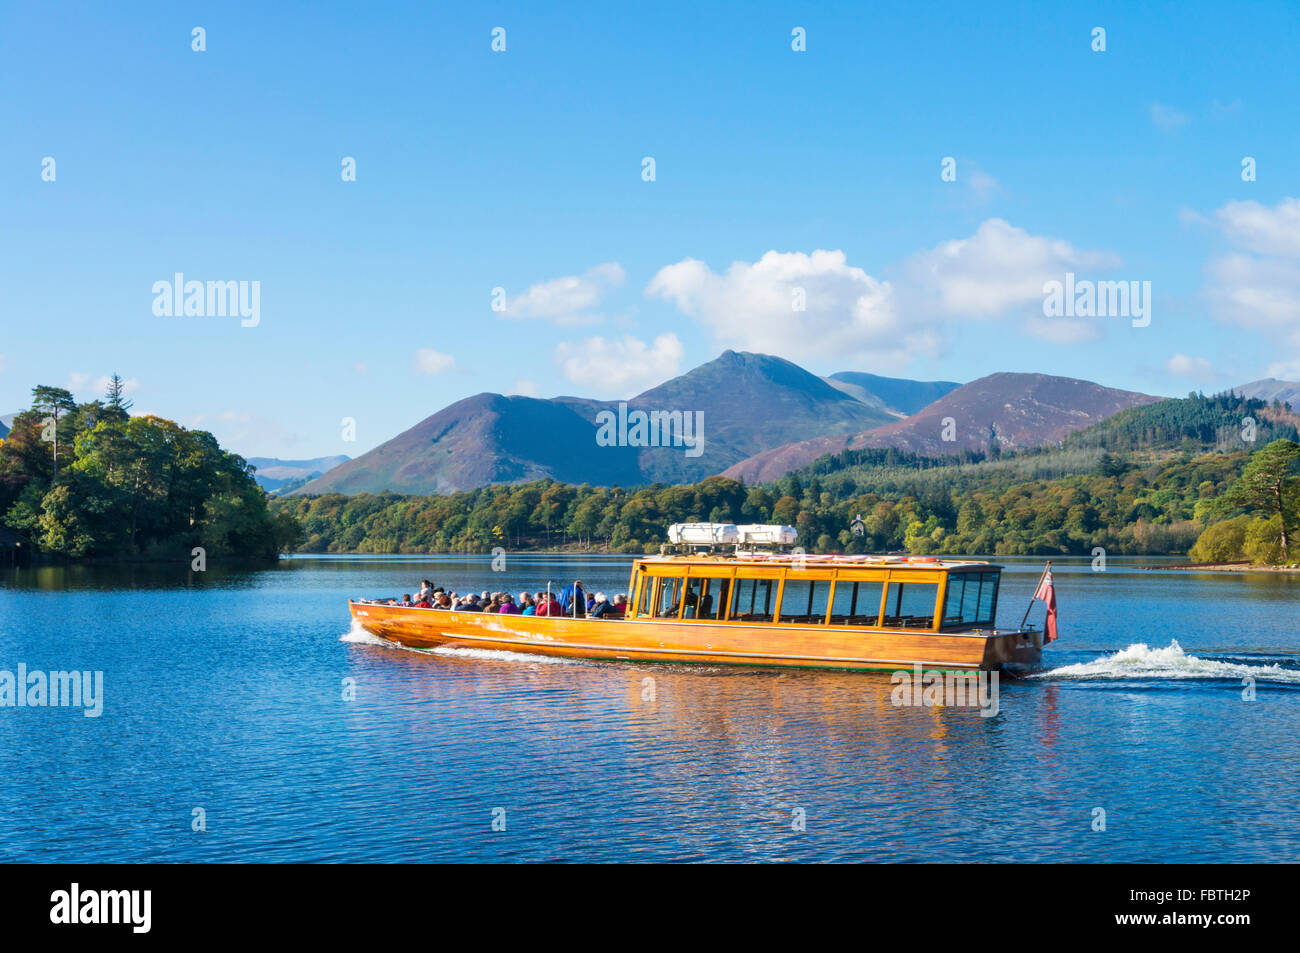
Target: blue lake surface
(224, 691)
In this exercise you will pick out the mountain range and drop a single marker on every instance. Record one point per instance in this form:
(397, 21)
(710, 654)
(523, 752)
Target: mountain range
(274, 474)
(1023, 410)
(1271, 389)
(749, 403)
(758, 412)
(894, 395)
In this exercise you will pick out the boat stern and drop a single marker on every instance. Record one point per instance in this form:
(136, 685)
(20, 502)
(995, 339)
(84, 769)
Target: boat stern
(1019, 647)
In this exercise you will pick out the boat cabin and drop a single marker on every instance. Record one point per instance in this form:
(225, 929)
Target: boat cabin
(915, 593)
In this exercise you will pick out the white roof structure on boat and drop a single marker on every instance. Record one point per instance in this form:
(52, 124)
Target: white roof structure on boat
(731, 534)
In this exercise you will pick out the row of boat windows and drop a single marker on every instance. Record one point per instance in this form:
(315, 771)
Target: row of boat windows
(971, 600)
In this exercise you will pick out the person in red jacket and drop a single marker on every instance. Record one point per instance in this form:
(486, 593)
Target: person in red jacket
(547, 605)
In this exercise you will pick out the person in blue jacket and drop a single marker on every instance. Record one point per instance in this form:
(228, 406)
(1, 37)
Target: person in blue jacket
(573, 600)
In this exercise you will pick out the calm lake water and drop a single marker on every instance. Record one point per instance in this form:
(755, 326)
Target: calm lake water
(223, 691)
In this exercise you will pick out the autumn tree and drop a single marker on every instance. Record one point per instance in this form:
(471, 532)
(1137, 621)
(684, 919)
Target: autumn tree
(54, 402)
(1270, 486)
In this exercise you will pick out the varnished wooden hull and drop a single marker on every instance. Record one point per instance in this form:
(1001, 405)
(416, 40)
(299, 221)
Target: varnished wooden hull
(729, 643)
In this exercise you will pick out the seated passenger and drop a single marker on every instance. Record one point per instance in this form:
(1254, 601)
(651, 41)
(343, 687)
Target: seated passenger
(620, 604)
(690, 598)
(548, 605)
(600, 607)
(508, 606)
(573, 599)
(443, 601)
(526, 604)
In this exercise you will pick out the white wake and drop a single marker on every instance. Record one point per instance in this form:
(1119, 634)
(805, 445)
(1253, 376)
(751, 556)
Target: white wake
(361, 637)
(1141, 661)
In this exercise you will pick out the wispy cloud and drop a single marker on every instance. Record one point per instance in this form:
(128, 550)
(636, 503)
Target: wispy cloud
(1167, 118)
(568, 300)
(245, 433)
(429, 361)
(1256, 284)
(1190, 367)
(90, 387)
(1220, 110)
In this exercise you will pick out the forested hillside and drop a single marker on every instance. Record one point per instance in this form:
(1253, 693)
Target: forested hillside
(89, 480)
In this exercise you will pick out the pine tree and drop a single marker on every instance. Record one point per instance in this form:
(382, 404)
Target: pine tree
(1270, 484)
(53, 402)
(118, 405)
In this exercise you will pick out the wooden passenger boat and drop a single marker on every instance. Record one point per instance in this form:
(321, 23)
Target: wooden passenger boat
(767, 609)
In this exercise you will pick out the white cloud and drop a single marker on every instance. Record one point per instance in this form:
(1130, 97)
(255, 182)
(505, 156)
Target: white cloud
(1063, 330)
(568, 300)
(245, 433)
(623, 366)
(997, 272)
(1167, 118)
(847, 313)
(1193, 368)
(1258, 228)
(91, 388)
(1285, 370)
(983, 188)
(525, 388)
(429, 361)
(1257, 283)
(1222, 110)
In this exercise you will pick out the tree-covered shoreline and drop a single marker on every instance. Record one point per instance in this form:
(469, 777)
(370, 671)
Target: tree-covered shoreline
(89, 482)
(1128, 507)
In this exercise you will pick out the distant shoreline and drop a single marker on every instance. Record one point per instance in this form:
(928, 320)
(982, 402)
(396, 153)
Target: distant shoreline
(1226, 567)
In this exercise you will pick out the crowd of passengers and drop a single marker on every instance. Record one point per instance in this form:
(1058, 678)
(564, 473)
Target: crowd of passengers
(571, 601)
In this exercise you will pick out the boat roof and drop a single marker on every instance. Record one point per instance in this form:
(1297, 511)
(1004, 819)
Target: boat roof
(816, 561)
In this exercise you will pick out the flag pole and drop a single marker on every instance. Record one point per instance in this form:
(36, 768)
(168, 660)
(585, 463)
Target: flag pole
(1034, 597)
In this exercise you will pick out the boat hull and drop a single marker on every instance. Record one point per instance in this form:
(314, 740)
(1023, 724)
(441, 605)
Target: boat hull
(728, 643)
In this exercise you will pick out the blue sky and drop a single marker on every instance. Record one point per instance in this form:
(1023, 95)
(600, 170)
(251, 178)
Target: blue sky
(522, 170)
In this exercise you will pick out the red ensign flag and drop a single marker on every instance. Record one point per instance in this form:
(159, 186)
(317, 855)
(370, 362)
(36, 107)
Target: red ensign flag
(1048, 594)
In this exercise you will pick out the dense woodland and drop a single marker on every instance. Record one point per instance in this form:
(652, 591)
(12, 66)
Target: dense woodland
(89, 481)
(1152, 480)
(978, 509)
(1213, 477)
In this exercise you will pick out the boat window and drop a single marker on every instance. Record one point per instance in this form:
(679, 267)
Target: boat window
(751, 600)
(989, 598)
(695, 599)
(856, 603)
(803, 601)
(713, 598)
(669, 594)
(971, 599)
(911, 605)
(647, 596)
